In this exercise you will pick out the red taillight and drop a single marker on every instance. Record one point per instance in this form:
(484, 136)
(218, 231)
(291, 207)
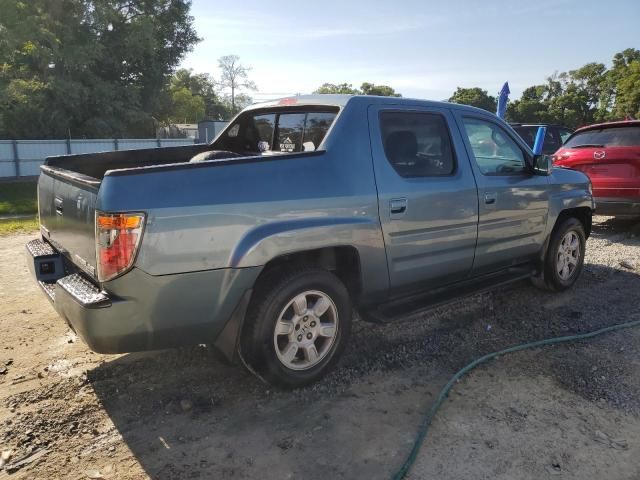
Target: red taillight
(561, 155)
(117, 240)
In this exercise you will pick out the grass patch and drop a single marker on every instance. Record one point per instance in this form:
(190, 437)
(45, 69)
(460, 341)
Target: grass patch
(19, 225)
(18, 198)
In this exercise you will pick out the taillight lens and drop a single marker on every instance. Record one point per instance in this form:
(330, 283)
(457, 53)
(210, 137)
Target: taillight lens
(118, 237)
(561, 155)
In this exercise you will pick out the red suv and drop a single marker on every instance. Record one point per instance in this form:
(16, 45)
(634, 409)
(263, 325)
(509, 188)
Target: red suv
(609, 153)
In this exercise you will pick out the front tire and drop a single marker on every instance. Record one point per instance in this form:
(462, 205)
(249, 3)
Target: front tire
(565, 256)
(296, 327)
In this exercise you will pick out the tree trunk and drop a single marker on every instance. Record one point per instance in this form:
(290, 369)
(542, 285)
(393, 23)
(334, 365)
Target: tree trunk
(233, 100)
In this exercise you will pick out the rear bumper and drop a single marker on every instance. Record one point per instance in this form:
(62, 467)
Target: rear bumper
(618, 207)
(138, 311)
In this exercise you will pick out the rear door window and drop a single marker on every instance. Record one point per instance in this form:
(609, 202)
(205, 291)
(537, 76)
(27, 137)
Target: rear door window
(417, 144)
(606, 137)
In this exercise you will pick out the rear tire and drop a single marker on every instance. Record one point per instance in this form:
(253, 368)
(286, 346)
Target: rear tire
(564, 259)
(296, 326)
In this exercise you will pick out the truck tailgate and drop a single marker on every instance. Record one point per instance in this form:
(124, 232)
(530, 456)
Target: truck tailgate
(67, 214)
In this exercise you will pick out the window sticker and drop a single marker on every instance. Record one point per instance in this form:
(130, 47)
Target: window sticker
(287, 145)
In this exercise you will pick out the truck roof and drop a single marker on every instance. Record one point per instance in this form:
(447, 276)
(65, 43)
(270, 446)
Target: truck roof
(340, 100)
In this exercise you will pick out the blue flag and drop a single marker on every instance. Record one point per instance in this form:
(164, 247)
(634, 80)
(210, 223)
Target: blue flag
(503, 99)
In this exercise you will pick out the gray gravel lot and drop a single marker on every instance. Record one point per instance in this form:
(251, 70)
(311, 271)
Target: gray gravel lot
(571, 411)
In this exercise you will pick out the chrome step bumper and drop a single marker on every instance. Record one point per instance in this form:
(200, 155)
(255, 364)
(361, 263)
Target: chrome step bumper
(47, 266)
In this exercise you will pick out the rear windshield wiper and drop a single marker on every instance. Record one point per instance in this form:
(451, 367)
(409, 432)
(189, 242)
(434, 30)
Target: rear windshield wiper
(588, 145)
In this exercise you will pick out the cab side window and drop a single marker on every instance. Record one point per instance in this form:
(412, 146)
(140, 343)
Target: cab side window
(417, 144)
(495, 152)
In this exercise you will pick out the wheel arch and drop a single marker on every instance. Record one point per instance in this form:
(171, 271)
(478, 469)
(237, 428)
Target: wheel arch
(582, 214)
(342, 260)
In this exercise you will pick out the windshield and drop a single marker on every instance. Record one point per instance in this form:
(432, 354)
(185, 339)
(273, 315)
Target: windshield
(282, 131)
(606, 137)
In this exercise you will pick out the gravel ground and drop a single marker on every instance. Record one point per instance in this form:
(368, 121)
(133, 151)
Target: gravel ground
(571, 410)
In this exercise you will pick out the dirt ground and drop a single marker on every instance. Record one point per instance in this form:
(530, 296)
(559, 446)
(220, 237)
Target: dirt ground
(568, 411)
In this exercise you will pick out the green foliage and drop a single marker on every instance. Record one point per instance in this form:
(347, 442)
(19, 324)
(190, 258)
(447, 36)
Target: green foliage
(88, 68)
(476, 97)
(18, 198)
(381, 90)
(591, 93)
(201, 85)
(365, 89)
(342, 88)
(625, 74)
(186, 107)
(628, 93)
(19, 225)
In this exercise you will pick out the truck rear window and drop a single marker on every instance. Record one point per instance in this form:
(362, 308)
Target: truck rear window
(284, 131)
(606, 137)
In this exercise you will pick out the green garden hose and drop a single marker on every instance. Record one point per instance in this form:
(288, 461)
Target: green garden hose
(426, 422)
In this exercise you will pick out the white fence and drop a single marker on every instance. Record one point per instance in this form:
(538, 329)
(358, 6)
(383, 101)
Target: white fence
(22, 158)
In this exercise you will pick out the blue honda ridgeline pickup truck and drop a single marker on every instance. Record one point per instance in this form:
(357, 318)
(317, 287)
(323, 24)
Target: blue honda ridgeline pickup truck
(301, 211)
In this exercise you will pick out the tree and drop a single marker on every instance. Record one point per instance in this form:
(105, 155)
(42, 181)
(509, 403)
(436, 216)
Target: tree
(530, 107)
(365, 89)
(588, 82)
(204, 86)
(342, 88)
(625, 83)
(381, 90)
(591, 93)
(628, 93)
(187, 107)
(95, 69)
(475, 97)
(242, 101)
(235, 77)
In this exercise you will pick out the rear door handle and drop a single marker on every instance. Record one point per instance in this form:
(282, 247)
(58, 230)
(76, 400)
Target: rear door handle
(490, 198)
(397, 207)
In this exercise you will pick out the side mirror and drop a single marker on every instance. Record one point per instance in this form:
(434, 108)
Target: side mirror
(542, 164)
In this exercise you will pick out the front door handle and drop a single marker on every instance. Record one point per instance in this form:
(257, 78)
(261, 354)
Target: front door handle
(490, 198)
(397, 207)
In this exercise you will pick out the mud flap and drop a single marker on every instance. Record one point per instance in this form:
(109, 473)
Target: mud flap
(228, 341)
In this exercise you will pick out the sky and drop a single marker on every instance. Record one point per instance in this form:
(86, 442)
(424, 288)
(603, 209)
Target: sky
(423, 49)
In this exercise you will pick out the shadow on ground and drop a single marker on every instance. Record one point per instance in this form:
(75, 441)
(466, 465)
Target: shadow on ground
(183, 414)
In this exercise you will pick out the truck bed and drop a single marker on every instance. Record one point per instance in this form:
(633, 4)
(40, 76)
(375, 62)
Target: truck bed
(68, 191)
(95, 165)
